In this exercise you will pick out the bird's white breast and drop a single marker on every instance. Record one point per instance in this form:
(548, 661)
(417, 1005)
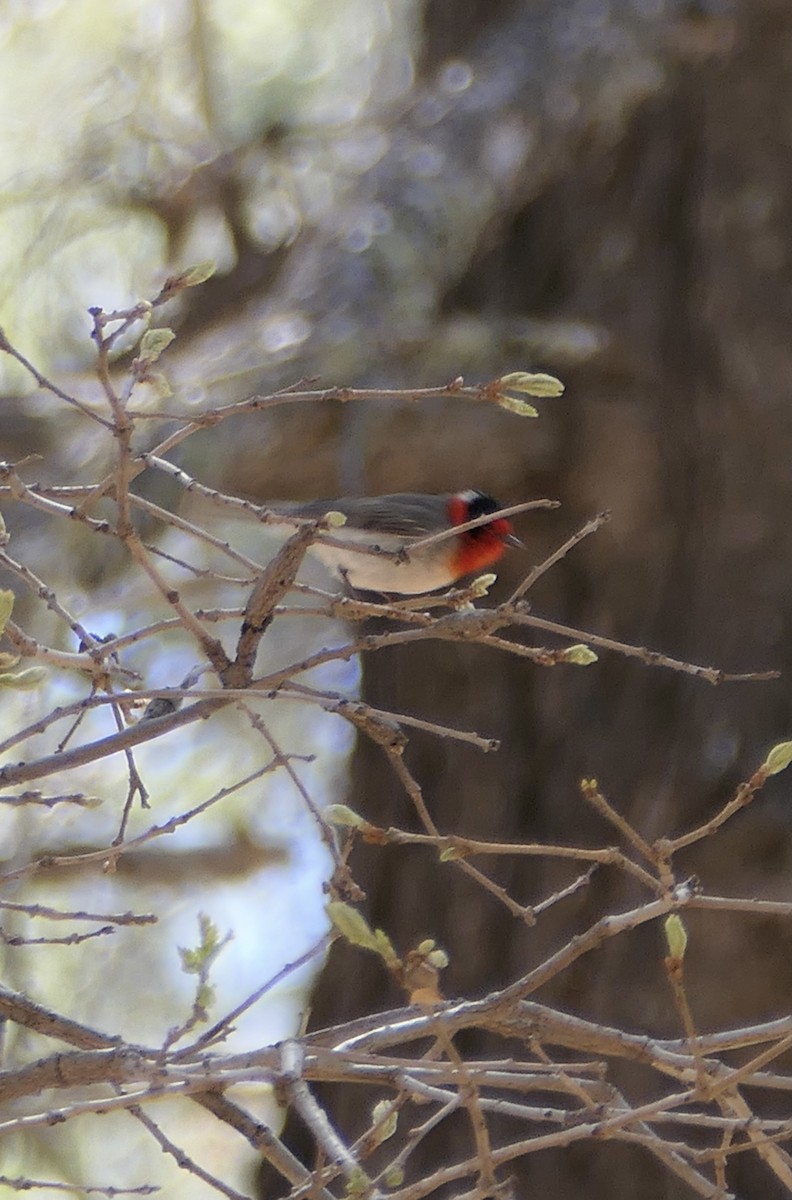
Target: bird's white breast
(423, 571)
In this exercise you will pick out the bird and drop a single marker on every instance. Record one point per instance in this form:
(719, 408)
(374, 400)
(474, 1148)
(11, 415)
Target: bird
(395, 522)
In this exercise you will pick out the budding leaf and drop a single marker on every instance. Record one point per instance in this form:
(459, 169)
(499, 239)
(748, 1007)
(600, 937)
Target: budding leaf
(154, 342)
(778, 759)
(520, 407)
(334, 520)
(197, 274)
(196, 959)
(532, 383)
(341, 814)
(352, 925)
(6, 607)
(676, 936)
(386, 1118)
(23, 681)
(191, 963)
(358, 1183)
(580, 654)
(384, 947)
(480, 586)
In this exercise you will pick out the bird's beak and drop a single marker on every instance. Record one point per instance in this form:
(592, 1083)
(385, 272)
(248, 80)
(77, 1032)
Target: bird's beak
(513, 540)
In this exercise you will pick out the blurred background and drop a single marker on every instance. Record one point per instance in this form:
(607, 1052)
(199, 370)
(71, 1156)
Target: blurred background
(397, 192)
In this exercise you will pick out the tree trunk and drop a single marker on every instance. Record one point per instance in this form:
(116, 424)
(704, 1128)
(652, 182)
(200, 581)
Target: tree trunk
(668, 239)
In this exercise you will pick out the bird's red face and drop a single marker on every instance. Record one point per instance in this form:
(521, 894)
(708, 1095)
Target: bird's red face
(480, 547)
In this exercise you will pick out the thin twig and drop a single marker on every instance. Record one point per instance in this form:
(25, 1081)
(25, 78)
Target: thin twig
(538, 571)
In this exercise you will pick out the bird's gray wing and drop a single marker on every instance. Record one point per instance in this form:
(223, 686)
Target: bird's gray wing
(399, 513)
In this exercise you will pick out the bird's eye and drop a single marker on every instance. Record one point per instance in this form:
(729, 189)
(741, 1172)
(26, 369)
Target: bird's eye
(480, 505)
